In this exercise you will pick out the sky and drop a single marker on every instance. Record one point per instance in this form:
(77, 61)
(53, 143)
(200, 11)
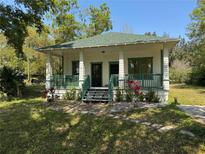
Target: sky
(160, 16)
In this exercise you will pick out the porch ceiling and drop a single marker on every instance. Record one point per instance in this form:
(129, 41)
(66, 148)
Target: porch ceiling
(109, 39)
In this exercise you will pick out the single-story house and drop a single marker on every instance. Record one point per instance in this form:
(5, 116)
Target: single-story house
(97, 65)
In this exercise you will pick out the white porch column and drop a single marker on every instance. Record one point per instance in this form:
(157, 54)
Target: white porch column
(166, 72)
(48, 70)
(81, 69)
(166, 68)
(121, 70)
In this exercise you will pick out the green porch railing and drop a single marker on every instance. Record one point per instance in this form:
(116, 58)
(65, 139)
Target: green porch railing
(64, 81)
(85, 85)
(113, 82)
(146, 80)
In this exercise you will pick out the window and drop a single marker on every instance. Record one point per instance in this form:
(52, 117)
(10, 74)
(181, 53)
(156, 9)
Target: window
(140, 65)
(75, 68)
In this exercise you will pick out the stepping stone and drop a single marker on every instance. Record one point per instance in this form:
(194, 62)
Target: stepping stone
(185, 132)
(84, 112)
(166, 128)
(135, 121)
(146, 123)
(157, 126)
(116, 117)
(110, 115)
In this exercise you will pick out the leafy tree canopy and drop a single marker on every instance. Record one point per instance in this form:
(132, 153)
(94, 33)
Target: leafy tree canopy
(197, 34)
(15, 19)
(99, 20)
(70, 22)
(34, 62)
(197, 27)
(197, 41)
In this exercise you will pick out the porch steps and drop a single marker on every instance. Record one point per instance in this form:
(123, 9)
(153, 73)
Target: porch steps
(96, 95)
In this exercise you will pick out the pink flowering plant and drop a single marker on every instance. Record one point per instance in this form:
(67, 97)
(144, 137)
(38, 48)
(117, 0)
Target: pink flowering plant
(135, 86)
(134, 90)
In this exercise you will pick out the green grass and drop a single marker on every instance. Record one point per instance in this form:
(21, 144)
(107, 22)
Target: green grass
(30, 126)
(33, 91)
(187, 94)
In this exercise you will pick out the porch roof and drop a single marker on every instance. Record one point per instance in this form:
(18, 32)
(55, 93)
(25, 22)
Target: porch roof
(109, 39)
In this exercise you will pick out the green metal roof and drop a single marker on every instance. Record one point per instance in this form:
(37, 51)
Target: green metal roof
(109, 39)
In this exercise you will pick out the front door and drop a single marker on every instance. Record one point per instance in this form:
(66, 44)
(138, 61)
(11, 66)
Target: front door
(96, 74)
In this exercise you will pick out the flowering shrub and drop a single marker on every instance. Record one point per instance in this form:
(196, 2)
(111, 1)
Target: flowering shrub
(70, 94)
(135, 86)
(49, 93)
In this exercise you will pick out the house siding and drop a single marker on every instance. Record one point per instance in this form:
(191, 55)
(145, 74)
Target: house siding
(112, 54)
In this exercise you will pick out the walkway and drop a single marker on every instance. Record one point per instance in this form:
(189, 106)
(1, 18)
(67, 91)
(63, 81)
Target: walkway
(197, 112)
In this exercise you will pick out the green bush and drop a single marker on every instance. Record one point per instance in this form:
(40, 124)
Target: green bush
(141, 97)
(129, 95)
(79, 96)
(119, 95)
(11, 81)
(156, 99)
(151, 96)
(3, 96)
(70, 94)
(179, 75)
(197, 77)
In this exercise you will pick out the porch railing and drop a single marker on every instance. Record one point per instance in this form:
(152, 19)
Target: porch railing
(64, 81)
(85, 85)
(146, 80)
(113, 82)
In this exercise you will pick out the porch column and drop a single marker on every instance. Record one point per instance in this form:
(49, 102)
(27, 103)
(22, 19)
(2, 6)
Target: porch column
(165, 68)
(165, 73)
(121, 70)
(48, 70)
(81, 69)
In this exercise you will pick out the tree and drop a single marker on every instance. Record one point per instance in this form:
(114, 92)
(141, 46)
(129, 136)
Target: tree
(180, 52)
(197, 41)
(69, 22)
(11, 81)
(7, 55)
(99, 20)
(15, 19)
(34, 62)
(64, 25)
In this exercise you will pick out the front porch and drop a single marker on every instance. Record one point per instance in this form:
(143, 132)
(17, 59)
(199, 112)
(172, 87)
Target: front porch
(110, 61)
(112, 69)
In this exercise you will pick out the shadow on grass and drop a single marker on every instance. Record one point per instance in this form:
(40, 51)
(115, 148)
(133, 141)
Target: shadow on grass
(33, 91)
(35, 128)
(166, 115)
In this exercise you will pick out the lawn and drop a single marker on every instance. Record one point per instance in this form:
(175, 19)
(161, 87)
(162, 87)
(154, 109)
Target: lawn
(187, 94)
(31, 126)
